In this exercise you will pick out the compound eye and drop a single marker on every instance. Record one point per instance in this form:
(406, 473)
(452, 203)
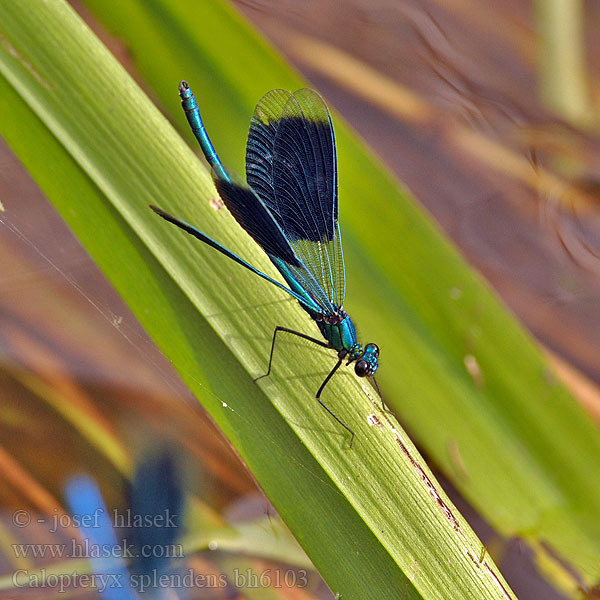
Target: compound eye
(373, 348)
(361, 368)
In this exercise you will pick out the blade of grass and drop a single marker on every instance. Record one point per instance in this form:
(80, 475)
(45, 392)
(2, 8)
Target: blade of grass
(287, 469)
(562, 64)
(465, 378)
(369, 518)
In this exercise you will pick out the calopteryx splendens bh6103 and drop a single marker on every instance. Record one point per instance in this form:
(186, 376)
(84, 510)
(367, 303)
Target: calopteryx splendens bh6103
(290, 207)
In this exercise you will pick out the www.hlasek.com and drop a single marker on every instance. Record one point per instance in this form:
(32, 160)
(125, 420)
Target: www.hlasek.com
(275, 578)
(87, 549)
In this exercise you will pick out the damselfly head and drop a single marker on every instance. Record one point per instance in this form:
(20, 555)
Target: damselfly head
(367, 364)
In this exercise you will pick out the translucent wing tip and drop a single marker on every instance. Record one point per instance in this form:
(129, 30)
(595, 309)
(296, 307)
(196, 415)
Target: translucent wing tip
(270, 106)
(312, 105)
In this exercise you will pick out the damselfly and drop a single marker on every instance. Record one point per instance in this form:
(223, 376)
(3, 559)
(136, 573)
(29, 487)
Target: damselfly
(290, 207)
